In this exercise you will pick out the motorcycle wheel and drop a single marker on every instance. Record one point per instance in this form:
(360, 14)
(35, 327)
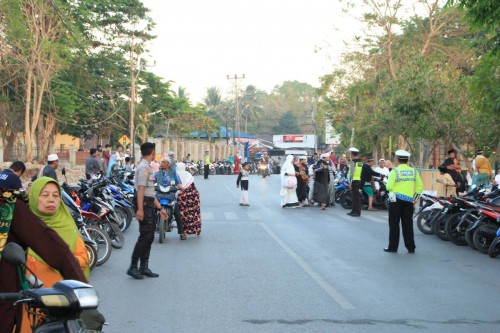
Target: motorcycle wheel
(114, 232)
(481, 241)
(438, 227)
(346, 200)
(124, 216)
(494, 249)
(386, 202)
(92, 254)
(454, 232)
(338, 194)
(103, 244)
(424, 220)
(469, 235)
(161, 228)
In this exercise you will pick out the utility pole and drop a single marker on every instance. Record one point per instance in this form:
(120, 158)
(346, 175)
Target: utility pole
(133, 98)
(235, 79)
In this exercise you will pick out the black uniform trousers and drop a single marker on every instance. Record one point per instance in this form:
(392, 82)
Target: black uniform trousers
(356, 201)
(401, 211)
(206, 171)
(147, 228)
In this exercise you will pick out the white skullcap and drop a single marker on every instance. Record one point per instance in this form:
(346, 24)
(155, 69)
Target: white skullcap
(402, 154)
(52, 157)
(354, 150)
(325, 155)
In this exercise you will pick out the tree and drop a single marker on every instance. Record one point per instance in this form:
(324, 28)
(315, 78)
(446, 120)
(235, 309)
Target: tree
(287, 124)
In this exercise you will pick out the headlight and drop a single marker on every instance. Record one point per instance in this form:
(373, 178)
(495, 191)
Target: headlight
(55, 300)
(87, 297)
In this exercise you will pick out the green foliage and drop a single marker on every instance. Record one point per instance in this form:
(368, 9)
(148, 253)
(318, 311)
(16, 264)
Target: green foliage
(287, 124)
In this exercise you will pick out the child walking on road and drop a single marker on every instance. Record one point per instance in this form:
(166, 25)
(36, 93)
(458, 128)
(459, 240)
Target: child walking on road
(243, 179)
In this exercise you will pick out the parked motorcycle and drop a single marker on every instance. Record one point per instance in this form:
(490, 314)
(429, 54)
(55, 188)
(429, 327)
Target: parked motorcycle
(55, 309)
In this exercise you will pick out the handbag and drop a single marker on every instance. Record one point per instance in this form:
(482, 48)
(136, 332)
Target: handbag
(291, 182)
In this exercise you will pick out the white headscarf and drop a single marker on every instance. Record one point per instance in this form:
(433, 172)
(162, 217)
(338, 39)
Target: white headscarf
(186, 178)
(287, 168)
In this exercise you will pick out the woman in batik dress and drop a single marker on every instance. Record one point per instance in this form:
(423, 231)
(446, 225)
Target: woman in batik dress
(189, 202)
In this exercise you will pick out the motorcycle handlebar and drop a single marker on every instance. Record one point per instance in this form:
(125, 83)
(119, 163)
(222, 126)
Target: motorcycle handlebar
(7, 297)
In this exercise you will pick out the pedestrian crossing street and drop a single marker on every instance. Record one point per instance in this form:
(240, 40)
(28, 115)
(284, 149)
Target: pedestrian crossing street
(243, 214)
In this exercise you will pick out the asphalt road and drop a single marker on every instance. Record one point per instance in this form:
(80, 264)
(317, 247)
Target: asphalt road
(267, 269)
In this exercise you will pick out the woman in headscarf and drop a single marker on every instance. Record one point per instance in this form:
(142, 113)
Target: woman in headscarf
(302, 180)
(45, 201)
(321, 180)
(189, 202)
(288, 184)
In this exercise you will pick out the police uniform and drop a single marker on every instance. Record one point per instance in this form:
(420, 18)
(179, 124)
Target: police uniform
(144, 176)
(355, 177)
(404, 185)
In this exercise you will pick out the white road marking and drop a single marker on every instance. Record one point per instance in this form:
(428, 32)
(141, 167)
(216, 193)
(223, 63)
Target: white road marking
(255, 216)
(207, 216)
(231, 216)
(330, 290)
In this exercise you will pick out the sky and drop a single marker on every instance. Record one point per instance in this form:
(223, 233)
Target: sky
(199, 42)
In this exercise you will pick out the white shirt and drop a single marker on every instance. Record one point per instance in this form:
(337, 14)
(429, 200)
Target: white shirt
(384, 171)
(497, 179)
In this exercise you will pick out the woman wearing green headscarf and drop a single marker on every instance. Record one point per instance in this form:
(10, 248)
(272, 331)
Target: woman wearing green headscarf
(45, 202)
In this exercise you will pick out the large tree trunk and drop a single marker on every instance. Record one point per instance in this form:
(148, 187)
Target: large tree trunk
(9, 146)
(27, 114)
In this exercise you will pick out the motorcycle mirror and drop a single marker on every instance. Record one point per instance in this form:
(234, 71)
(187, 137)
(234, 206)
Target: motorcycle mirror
(14, 254)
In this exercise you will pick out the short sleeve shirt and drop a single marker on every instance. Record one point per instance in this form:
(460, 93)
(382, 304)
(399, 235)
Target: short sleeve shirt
(49, 171)
(9, 180)
(144, 176)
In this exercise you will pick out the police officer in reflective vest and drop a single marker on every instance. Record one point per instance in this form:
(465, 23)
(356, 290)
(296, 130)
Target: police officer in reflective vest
(405, 186)
(355, 182)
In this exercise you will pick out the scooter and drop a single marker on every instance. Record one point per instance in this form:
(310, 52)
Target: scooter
(166, 197)
(50, 310)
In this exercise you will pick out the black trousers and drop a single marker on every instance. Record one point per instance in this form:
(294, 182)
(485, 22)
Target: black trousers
(147, 228)
(356, 202)
(401, 211)
(178, 220)
(206, 171)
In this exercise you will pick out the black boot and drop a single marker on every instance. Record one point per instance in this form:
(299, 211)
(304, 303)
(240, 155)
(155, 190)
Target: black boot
(133, 271)
(144, 269)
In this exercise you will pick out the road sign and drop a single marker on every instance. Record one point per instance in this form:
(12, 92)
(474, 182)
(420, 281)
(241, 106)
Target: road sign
(124, 141)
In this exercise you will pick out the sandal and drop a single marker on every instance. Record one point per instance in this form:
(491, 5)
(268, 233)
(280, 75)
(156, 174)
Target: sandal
(183, 237)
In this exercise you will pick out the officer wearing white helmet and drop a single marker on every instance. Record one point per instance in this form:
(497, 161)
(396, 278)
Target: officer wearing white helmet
(405, 186)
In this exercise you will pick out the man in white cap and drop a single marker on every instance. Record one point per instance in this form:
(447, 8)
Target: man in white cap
(404, 186)
(50, 169)
(355, 182)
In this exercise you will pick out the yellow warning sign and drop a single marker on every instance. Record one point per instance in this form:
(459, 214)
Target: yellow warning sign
(124, 141)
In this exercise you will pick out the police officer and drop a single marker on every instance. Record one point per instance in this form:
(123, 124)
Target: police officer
(355, 182)
(146, 205)
(404, 185)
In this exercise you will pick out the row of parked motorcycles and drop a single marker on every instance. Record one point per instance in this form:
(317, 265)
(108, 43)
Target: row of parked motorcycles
(215, 168)
(472, 220)
(102, 209)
